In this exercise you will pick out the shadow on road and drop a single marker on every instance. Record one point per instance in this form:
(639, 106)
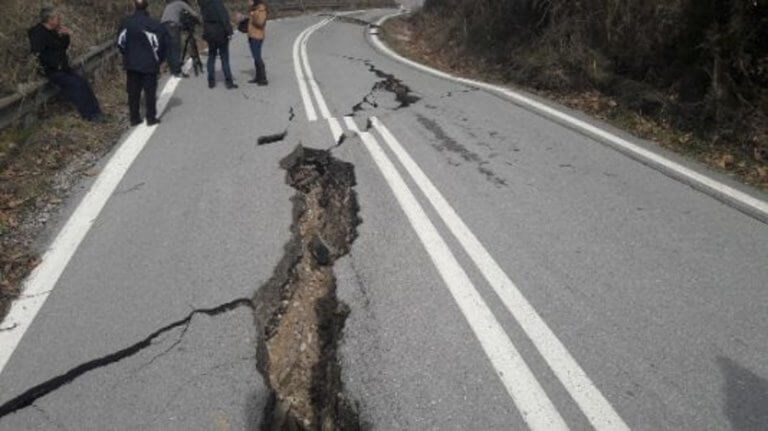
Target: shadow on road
(746, 396)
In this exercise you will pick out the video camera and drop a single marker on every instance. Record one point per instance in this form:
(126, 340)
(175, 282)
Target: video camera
(189, 22)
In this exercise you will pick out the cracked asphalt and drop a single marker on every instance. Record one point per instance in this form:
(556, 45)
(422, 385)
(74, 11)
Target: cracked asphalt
(658, 291)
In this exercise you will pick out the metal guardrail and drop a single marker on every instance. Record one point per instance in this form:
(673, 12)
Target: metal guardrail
(22, 108)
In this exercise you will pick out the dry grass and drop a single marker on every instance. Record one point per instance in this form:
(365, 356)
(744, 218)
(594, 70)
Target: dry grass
(36, 174)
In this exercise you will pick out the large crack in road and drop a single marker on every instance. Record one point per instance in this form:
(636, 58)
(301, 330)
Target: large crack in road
(298, 316)
(297, 311)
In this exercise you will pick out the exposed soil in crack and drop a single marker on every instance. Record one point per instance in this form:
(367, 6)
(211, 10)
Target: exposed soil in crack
(31, 395)
(388, 83)
(297, 311)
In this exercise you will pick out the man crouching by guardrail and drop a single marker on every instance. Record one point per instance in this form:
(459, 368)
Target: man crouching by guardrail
(143, 42)
(49, 41)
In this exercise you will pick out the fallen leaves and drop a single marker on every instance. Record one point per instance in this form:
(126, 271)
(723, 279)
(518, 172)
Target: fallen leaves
(761, 154)
(761, 173)
(723, 160)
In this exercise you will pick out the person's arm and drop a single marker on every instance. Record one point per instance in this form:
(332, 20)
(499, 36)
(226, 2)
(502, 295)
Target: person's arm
(189, 9)
(164, 39)
(36, 40)
(64, 39)
(260, 20)
(122, 37)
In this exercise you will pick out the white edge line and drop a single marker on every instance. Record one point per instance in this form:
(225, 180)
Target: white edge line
(41, 281)
(526, 392)
(742, 201)
(591, 401)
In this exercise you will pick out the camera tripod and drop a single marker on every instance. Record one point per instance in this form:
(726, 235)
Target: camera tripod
(190, 45)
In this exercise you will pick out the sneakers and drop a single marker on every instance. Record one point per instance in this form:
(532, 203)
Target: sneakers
(153, 121)
(135, 122)
(231, 86)
(211, 84)
(263, 83)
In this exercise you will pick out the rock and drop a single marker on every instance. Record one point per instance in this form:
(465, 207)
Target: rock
(320, 251)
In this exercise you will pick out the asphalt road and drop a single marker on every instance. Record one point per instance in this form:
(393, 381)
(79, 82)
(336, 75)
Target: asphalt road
(510, 273)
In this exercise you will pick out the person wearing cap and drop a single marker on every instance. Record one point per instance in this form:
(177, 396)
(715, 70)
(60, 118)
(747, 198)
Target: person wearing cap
(143, 42)
(49, 41)
(171, 20)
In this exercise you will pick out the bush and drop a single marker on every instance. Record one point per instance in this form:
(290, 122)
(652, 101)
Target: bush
(709, 53)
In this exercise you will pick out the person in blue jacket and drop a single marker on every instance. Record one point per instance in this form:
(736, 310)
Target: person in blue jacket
(143, 42)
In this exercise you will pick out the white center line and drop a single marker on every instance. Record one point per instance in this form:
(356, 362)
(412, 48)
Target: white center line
(533, 403)
(578, 384)
(311, 76)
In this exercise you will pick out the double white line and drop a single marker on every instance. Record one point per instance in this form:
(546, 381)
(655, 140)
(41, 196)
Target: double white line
(529, 397)
(306, 79)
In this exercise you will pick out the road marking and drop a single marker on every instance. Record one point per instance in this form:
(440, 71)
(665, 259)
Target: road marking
(533, 403)
(309, 109)
(581, 388)
(311, 76)
(41, 281)
(742, 201)
(336, 129)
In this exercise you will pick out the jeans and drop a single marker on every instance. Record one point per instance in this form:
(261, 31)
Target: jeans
(76, 90)
(174, 47)
(219, 49)
(138, 82)
(261, 70)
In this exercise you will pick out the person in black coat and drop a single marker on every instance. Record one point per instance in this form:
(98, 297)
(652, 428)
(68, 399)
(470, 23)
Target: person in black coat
(143, 42)
(49, 41)
(217, 30)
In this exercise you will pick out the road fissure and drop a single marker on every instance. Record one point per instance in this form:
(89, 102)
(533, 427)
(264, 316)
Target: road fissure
(388, 83)
(299, 317)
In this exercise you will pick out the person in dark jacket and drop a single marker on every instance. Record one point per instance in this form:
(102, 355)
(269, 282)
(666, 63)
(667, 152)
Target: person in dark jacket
(171, 20)
(49, 41)
(217, 30)
(143, 42)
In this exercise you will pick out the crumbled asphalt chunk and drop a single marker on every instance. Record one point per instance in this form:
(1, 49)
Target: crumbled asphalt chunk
(298, 316)
(320, 251)
(28, 397)
(271, 139)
